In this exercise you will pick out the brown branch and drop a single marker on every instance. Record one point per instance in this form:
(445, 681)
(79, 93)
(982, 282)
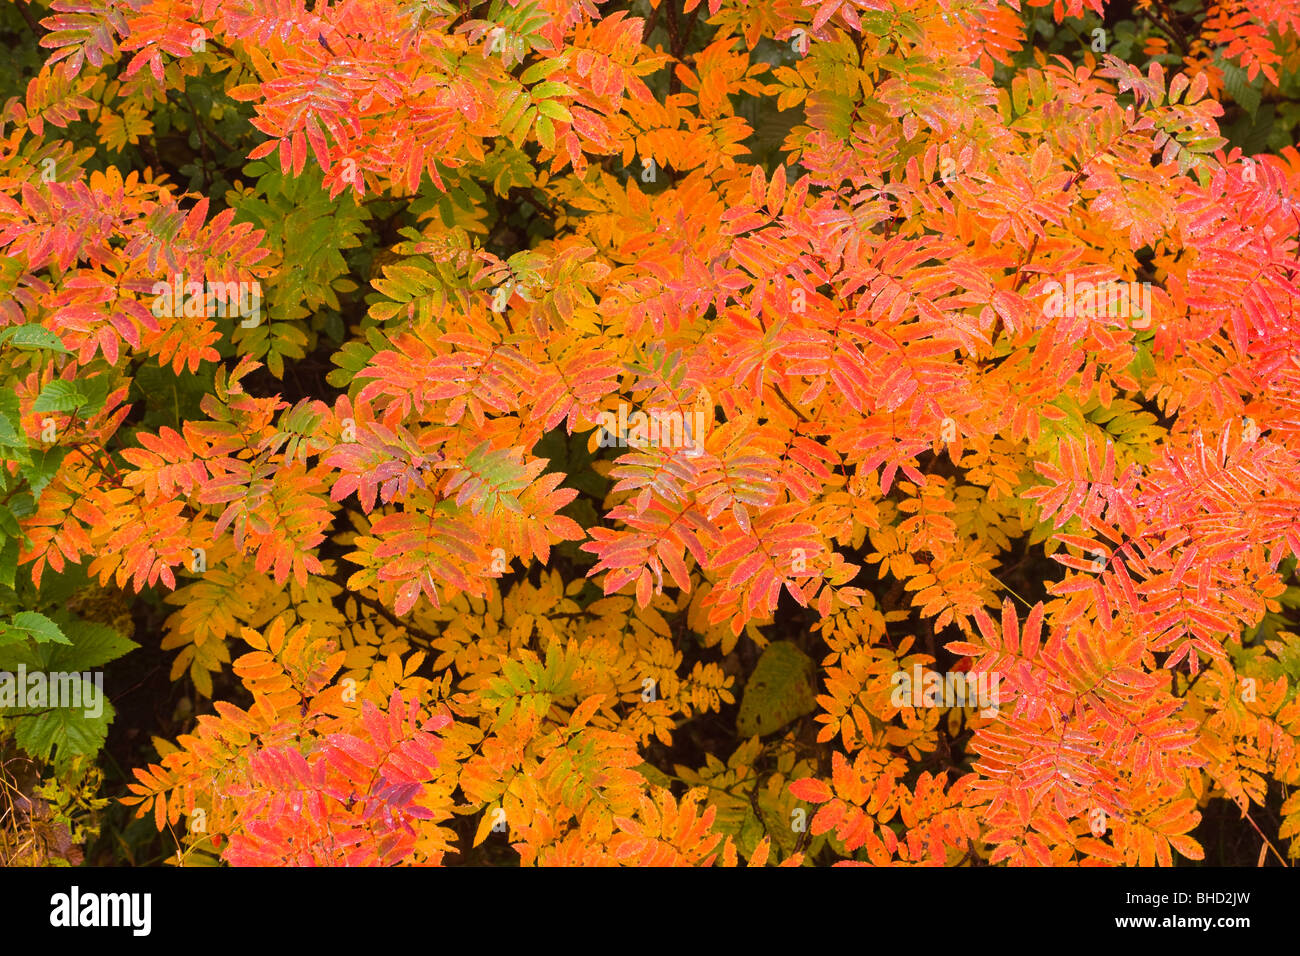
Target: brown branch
(408, 627)
(27, 15)
(789, 404)
(1266, 840)
(1020, 269)
(652, 22)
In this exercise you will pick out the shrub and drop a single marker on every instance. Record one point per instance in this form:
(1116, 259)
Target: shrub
(654, 433)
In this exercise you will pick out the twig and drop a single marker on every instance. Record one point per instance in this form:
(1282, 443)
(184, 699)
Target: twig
(789, 404)
(377, 606)
(1265, 839)
(27, 15)
(652, 22)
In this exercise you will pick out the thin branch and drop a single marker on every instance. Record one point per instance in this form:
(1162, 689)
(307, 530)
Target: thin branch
(27, 15)
(406, 625)
(789, 404)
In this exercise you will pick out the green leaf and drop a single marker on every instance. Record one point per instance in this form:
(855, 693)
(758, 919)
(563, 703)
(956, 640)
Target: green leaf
(550, 90)
(10, 432)
(545, 130)
(66, 732)
(33, 336)
(778, 692)
(30, 624)
(654, 775)
(59, 396)
(488, 479)
(542, 69)
(1238, 87)
(9, 524)
(44, 466)
(8, 562)
(22, 505)
(87, 644)
(93, 645)
(751, 833)
(555, 111)
(94, 392)
(12, 436)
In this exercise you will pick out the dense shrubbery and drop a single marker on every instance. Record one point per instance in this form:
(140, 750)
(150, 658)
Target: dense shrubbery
(550, 432)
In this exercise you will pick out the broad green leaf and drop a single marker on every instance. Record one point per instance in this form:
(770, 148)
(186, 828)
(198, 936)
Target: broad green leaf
(66, 732)
(44, 466)
(92, 645)
(87, 644)
(31, 337)
(11, 432)
(654, 775)
(751, 833)
(22, 505)
(9, 523)
(778, 692)
(59, 396)
(31, 624)
(8, 561)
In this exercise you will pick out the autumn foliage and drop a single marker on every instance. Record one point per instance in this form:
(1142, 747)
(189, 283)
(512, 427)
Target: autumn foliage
(553, 432)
